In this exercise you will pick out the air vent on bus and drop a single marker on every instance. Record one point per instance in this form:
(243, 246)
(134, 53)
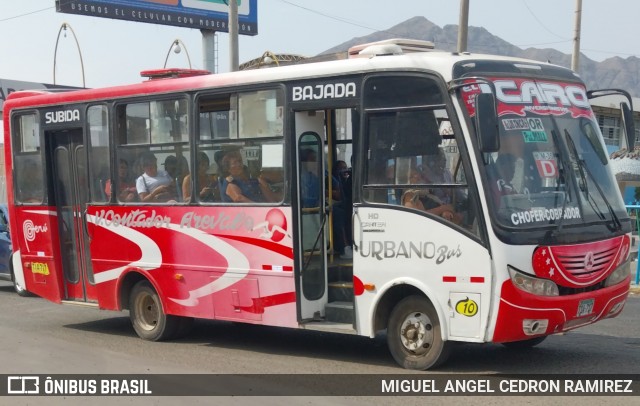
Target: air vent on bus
(172, 73)
(395, 46)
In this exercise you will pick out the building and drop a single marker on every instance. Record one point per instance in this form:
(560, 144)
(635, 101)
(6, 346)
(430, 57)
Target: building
(609, 117)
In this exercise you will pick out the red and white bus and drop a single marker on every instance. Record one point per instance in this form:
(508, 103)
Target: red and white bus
(480, 205)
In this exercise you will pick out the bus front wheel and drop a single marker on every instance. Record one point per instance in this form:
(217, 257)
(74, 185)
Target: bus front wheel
(414, 336)
(147, 316)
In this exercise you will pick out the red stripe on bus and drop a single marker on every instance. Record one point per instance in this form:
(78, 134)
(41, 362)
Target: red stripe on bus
(260, 303)
(448, 279)
(277, 268)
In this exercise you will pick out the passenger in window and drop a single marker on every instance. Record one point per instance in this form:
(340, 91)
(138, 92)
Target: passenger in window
(206, 180)
(435, 171)
(154, 185)
(126, 187)
(421, 199)
(238, 187)
(171, 166)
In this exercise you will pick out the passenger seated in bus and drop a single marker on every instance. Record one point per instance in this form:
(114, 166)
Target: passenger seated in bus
(171, 166)
(238, 187)
(206, 180)
(126, 187)
(421, 199)
(501, 177)
(154, 185)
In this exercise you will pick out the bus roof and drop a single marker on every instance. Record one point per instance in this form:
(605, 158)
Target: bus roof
(438, 61)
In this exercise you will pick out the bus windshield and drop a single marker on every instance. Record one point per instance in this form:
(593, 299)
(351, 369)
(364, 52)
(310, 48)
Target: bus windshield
(551, 167)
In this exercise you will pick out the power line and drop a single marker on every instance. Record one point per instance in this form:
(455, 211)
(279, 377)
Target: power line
(25, 14)
(344, 20)
(541, 24)
(609, 52)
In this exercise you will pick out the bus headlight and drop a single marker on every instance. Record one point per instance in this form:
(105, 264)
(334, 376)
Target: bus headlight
(618, 275)
(530, 284)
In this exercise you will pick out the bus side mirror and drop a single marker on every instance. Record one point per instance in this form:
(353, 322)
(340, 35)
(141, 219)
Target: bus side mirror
(628, 125)
(487, 123)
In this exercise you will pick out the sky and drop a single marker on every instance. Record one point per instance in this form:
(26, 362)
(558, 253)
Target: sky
(114, 52)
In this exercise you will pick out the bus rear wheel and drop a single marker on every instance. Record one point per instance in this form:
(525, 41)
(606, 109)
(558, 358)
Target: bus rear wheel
(414, 337)
(147, 316)
(19, 289)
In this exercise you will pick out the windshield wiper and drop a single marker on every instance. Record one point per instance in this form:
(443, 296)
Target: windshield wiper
(582, 168)
(562, 179)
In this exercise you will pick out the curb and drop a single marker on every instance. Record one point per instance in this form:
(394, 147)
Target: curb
(634, 290)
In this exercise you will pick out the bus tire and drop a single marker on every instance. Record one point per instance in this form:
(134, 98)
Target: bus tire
(520, 345)
(147, 316)
(20, 290)
(414, 337)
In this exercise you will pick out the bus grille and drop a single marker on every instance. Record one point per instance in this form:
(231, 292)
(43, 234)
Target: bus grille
(585, 266)
(580, 266)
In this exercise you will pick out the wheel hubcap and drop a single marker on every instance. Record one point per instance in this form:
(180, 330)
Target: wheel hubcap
(416, 333)
(147, 309)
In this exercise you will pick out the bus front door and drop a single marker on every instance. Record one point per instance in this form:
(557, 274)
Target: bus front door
(70, 185)
(311, 261)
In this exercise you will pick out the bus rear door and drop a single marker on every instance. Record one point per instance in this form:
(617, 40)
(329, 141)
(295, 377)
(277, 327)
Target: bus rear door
(67, 156)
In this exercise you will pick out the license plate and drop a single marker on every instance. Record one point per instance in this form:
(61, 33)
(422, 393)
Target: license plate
(585, 307)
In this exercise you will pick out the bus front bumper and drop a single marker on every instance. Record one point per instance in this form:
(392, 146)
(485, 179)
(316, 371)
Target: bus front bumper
(522, 315)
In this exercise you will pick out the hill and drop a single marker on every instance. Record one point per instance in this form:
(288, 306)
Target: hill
(614, 72)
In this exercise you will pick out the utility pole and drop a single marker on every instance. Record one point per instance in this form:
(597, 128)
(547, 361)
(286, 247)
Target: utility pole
(233, 36)
(575, 58)
(463, 26)
(209, 50)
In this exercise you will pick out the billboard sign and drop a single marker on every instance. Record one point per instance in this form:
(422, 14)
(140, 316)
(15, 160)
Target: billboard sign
(201, 14)
(8, 86)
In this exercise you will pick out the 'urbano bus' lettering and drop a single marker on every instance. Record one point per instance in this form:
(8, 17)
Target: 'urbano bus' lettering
(399, 249)
(62, 116)
(326, 91)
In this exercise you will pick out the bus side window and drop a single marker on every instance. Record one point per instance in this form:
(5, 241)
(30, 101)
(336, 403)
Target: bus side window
(99, 152)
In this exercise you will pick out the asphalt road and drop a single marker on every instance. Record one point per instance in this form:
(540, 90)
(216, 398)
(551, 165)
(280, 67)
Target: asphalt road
(39, 337)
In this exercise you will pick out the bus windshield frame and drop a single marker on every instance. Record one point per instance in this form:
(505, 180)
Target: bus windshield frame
(551, 172)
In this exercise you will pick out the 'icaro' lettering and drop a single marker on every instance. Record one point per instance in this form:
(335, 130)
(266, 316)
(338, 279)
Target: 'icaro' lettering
(326, 91)
(62, 116)
(545, 93)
